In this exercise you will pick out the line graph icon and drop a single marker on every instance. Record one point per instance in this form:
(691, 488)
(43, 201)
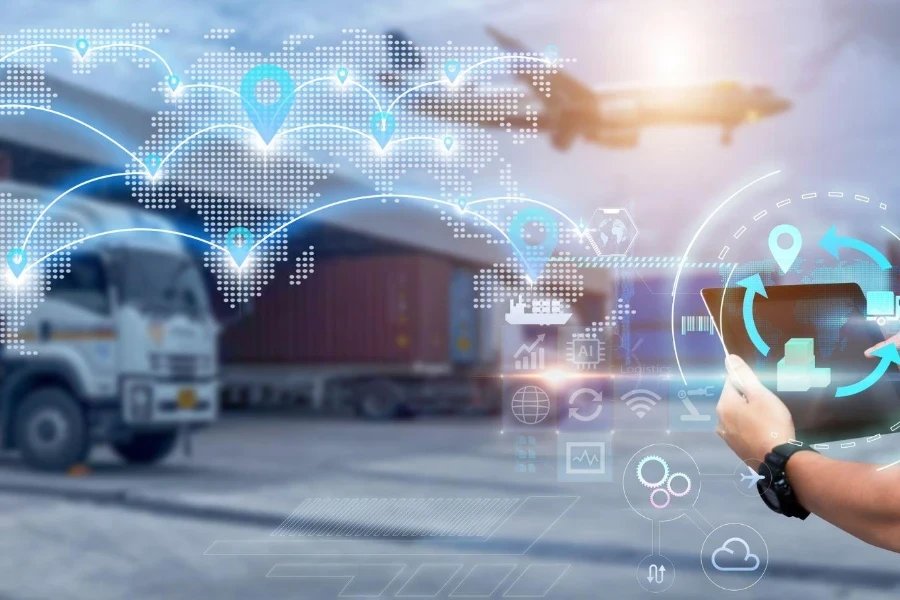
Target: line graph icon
(585, 458)
(641, 401)
(530, 356)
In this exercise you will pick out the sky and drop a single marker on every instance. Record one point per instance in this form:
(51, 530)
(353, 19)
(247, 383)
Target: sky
(837, 61)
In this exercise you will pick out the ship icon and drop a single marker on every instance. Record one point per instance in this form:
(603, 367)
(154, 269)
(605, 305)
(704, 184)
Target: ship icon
(543, 312)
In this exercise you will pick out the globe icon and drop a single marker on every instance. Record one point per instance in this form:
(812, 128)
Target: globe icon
(530, 405)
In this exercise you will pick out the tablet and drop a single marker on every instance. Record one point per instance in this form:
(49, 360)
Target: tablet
(828, 324)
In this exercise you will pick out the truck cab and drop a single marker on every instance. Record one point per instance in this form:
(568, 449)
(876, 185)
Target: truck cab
(122, 349)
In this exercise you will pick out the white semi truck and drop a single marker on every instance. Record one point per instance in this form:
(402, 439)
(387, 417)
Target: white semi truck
(122, 350)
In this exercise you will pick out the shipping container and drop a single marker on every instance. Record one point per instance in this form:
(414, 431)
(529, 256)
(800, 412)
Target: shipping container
(378, 336)
(386, 309)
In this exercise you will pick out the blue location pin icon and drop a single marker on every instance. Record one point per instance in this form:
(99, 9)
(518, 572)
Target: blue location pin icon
(153, 161)
(382, 128)
(267, 111)
(81, 46)
(16, 259)
(551, 52)
(525, 234)
(173, 82)
(785, 255)
(342, 74)
(462, 203)
(451, 69)
(239, 241)
(448, 142)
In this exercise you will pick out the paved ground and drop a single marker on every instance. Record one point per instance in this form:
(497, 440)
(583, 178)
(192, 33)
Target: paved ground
(185, 529)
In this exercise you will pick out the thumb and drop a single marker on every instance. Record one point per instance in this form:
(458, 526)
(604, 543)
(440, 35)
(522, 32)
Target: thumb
(741, 376)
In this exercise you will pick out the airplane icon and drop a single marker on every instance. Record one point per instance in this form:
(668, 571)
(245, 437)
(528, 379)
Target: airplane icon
(753, 476)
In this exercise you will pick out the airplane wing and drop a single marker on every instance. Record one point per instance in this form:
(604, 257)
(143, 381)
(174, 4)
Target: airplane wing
(562, 86)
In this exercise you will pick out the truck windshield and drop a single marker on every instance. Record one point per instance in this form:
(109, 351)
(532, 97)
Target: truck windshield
(162, 282)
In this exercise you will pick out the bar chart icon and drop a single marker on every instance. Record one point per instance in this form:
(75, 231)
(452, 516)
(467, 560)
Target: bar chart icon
(530, 357)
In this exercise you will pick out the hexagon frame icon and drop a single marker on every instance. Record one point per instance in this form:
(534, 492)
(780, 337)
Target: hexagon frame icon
(607, 212)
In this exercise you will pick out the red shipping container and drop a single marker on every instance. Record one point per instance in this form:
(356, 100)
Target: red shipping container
(386, 309)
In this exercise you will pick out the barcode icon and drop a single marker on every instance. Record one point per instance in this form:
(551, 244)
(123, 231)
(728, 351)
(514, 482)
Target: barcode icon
(690, 324)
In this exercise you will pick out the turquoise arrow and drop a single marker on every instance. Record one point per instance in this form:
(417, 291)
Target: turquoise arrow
(888, 354)
(754, 286)
(831, 241)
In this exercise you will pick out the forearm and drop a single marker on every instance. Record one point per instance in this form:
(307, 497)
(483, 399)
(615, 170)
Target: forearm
(856, 497)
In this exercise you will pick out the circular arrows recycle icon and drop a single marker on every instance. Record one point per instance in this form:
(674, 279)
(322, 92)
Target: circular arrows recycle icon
(831, 242)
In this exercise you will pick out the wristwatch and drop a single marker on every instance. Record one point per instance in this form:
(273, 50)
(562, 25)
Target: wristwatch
(774, 488)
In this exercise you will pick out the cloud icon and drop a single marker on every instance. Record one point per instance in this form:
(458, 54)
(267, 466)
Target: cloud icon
(730, 563)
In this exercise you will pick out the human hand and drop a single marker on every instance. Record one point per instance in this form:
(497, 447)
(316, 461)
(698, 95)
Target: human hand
(752, 420)
(894, 339)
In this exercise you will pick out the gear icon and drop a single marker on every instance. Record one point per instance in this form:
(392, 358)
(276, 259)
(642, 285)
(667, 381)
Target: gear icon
(640, 471)
(687, 488)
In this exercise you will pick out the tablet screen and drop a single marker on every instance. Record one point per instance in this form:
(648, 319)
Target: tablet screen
(818, 333)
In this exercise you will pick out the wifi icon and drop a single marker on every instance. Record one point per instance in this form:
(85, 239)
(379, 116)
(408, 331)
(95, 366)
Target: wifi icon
(641, 401)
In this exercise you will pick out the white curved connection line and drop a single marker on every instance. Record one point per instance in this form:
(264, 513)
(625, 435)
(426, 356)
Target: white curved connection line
(368, 91)
(271, 233)
(67, 192)
(116, 231)
(357, 132)
(722, 339)
(198, 133)
(531, 201)
(210, 86)
(891, 232)
(89, 50)
(684, 260)
(83, 124)
(298, 88)
(374, 196)
(467, 70)
(325, 126)
(412, 138)
(505, 57)
(134, 46)
(281, 227)
(411, 90)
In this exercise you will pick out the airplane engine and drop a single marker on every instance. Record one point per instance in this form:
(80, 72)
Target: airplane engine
(563, 137)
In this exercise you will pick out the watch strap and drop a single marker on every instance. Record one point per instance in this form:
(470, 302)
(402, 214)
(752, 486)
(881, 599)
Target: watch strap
(777, 481)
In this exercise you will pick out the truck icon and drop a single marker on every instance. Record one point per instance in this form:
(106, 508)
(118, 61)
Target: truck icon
(882, 307)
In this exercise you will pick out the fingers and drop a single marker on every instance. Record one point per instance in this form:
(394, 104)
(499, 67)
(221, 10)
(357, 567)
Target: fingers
(741, 376)
(894, 339)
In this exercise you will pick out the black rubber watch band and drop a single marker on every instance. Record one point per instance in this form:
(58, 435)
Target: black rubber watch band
(775, 489)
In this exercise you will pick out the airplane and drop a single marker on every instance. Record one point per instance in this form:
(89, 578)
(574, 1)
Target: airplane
(613, 117)
(753, 476)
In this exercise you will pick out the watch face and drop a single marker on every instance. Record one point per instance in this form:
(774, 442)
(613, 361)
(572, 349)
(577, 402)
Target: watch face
(769, 497)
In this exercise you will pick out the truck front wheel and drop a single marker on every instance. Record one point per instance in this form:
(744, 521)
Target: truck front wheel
(50, 430)
(147, 448)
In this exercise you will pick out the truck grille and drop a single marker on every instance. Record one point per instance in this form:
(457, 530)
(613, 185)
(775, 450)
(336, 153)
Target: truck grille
(182, 366)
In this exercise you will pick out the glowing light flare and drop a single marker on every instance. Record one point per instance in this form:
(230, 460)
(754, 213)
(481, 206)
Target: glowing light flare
(555, 376)
(672, 59)
(260, 144)
(13, 279)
